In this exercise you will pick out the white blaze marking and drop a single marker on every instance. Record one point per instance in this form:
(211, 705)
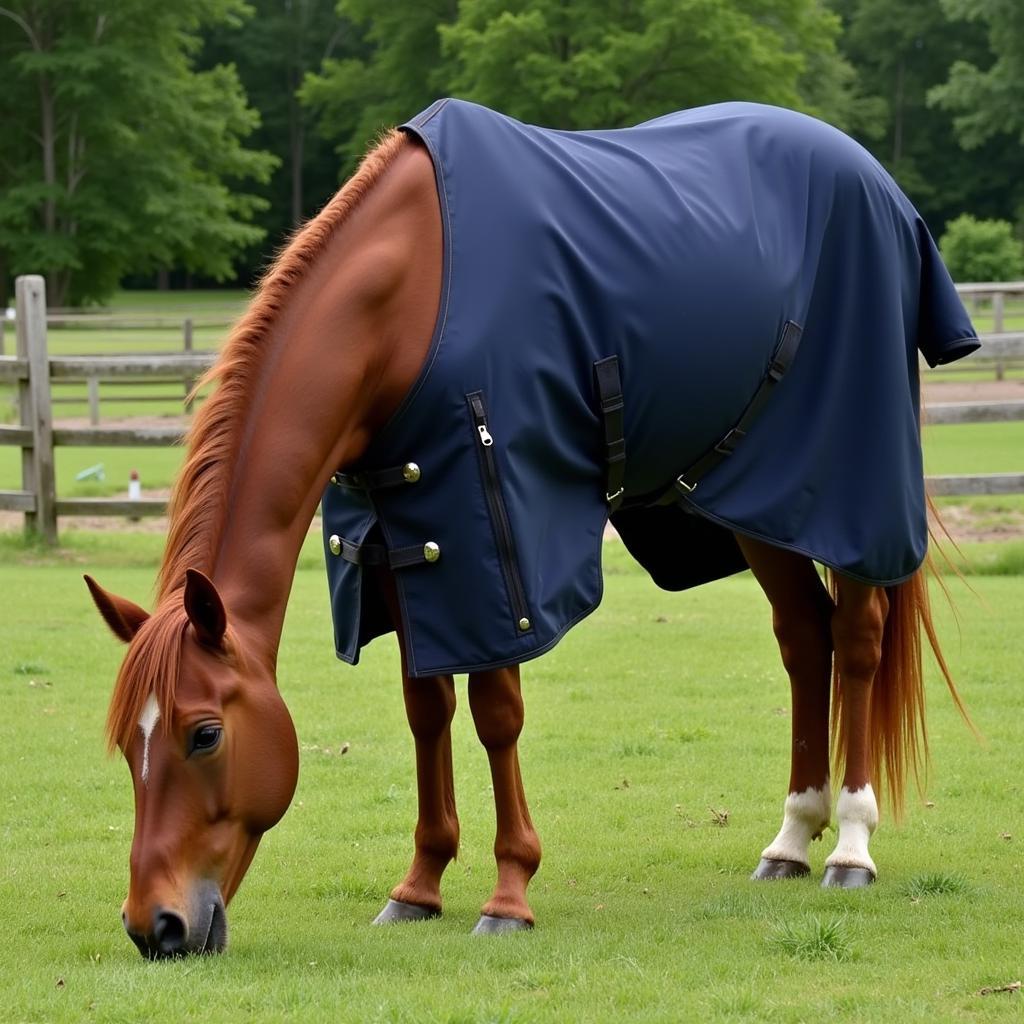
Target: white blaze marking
(857, 815)
(147, 723)
(806, 816)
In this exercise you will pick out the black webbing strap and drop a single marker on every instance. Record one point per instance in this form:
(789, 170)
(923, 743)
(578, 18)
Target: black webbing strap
(374, 479)
(377, 554)
(687, 482)
(609, 394)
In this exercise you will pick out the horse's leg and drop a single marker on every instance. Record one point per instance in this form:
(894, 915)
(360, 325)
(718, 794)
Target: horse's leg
(801, 613)
(429, 706)
(858, 625)
(497, 705)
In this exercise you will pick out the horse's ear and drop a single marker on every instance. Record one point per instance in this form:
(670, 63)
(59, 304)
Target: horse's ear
(124, 617)
(204, 608)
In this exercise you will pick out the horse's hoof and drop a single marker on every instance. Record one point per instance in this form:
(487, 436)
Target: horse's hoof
(839, 877)
(773, 870)
(488, 925)
(396, 912)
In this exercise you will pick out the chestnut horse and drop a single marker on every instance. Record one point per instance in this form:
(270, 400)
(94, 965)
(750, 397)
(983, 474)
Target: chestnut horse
(330, 345)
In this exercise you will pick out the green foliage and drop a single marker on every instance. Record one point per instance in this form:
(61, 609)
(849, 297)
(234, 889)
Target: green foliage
(118, 155)
(901, 52)
(273, 49)
(600, 62)
(579, 64)
(987, 101)
(982, 250)
(398, 72)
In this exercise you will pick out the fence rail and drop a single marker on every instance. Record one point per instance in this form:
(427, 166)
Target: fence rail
(37, 436)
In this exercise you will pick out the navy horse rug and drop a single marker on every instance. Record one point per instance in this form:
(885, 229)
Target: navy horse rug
(704, 324)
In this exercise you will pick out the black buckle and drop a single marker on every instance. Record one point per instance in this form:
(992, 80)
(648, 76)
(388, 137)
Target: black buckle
(728, 443)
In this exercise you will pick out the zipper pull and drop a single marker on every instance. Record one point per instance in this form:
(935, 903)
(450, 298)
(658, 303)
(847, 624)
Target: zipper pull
(485, 435)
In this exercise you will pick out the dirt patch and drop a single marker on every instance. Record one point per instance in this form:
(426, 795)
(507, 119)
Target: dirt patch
(974, 391)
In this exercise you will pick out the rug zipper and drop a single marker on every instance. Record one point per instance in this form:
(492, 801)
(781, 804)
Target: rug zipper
(499, 514)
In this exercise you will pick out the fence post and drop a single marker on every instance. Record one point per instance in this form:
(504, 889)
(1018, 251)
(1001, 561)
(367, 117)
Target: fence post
(93, 386)
(34, 399)
(997, 327)
(189, 381)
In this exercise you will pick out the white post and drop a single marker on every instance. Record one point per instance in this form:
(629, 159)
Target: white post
(998, 310)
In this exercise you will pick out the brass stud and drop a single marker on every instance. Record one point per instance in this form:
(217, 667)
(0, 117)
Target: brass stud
(334, 543)
(410, 472)
(524, 623)
(431, 551)
(334, 480)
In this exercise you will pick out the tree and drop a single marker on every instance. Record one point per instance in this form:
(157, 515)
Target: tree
(987, 102)
(396, 70)
(982, 250)
(594, 63)
(118, 155)
(579, 63)
(901, 51)
(273, 51)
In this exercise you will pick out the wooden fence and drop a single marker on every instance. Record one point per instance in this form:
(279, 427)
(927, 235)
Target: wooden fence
(126, 328)
(34, 371)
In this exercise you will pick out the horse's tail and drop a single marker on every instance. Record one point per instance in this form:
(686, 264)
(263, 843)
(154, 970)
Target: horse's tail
(899, 735)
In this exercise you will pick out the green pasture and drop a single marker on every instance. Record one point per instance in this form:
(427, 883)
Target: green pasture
(655, 757)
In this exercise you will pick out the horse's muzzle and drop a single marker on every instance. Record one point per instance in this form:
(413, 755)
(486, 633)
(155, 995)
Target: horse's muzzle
(205, 931)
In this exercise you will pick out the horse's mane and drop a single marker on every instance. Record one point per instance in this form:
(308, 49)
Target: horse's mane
(198, 503)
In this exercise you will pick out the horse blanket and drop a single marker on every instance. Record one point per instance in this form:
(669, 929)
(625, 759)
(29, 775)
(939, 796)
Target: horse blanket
(615, 306)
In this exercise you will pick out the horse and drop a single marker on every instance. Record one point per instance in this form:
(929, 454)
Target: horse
(339, 349)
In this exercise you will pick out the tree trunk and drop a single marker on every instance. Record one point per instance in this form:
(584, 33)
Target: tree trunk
(298, 139)
(897, 123)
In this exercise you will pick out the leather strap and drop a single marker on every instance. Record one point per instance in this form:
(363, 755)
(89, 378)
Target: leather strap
(609, 394)
(785, 350)
(378, 554)
(374, 479)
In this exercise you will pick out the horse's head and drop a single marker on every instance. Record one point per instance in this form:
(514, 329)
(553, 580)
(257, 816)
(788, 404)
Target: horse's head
(213, 757)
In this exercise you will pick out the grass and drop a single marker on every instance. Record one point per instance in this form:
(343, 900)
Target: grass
(815, 939)
(644, 907)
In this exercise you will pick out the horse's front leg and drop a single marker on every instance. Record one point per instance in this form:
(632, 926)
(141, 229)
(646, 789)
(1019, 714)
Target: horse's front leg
(497, 705)
(801, 616)
(430, 707)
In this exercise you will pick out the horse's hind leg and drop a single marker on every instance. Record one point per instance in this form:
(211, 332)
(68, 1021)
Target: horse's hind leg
(801, 615)
(497, 705)
(429, 706)
(858, 625)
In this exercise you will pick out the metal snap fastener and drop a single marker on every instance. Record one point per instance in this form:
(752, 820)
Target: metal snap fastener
(524, 623)
(410, 472)
(334, 479)
(431, 551)
(334, 543)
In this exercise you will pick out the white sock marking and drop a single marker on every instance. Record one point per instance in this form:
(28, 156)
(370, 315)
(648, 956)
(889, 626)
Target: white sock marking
(857, 815)
(147, 723)
(806, 816)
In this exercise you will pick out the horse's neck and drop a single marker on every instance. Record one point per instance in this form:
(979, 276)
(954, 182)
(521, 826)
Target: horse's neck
(345, 350)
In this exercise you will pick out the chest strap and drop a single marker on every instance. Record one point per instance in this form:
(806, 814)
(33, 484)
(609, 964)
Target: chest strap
(686, 482)
(374, 479)
(609, 395)
(378, 554)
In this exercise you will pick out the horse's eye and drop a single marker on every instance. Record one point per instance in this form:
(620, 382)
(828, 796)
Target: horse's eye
(205, 738)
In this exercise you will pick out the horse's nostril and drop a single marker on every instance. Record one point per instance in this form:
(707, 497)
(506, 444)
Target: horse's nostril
(169, 931)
